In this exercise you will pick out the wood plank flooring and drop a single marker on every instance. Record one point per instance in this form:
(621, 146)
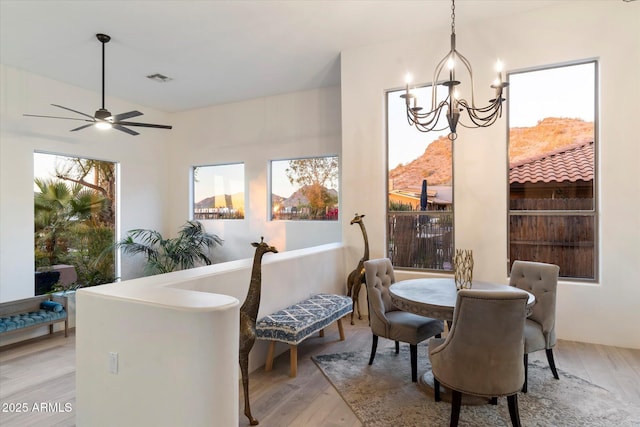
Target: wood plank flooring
(43, 371)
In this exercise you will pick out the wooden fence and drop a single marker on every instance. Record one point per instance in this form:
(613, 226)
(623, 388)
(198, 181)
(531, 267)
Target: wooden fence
(421, 241)
(565, 240)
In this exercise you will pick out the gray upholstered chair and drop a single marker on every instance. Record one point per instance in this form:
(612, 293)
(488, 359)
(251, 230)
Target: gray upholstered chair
(539, 331)
(389, 322)
(482, 354)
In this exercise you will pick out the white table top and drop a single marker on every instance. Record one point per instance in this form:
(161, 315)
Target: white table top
(436, 298)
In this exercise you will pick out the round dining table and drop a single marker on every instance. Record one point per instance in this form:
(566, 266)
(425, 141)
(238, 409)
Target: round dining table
(436, 298)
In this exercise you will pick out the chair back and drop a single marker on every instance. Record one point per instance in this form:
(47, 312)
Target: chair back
(542, 281)
(483, 352)
(380, 276)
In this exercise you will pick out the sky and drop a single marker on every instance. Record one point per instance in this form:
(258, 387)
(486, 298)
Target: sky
(218, 180)
(557, 92)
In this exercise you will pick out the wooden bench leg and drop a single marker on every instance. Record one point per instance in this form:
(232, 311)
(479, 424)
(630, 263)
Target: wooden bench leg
(321, 333)
(66, 328)
(293, 350)
(341, 329)
(269, 363)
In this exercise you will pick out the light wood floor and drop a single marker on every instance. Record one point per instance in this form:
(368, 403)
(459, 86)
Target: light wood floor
(43, 370)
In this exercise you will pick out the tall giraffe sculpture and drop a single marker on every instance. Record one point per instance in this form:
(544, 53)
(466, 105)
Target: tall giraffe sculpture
(248, 316)
(356, 277)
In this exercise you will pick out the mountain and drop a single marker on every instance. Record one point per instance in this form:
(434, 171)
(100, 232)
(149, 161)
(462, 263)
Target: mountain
(298, 198)
(547, 135)
(235, 201)
(434, 165)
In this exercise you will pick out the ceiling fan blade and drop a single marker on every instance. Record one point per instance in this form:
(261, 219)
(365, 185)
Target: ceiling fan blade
(127, 115)
(124, 129)
(81, 127)
(57, 117)
(75, 111)
(146, 125)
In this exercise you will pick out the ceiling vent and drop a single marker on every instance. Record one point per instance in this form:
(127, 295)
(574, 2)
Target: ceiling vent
(159, 78)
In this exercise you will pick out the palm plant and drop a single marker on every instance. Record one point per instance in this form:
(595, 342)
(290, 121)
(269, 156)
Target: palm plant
(59, 209)
(190, 249)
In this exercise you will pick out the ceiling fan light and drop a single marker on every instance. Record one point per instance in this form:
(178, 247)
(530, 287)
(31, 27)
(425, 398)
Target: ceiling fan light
(104, 125)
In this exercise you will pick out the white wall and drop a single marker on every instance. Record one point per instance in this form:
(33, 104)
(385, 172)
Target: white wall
(186, 373)
(143, 163)
(301, 124)
(606, 312)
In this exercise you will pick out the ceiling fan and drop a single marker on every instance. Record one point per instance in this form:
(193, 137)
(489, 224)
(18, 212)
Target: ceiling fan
(103, 119)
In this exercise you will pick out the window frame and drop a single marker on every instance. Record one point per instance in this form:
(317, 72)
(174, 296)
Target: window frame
(192, 183)
(333, 217)
(419, 214)
(594, 211)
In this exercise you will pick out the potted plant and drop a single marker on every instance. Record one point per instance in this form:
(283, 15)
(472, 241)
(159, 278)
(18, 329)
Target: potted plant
(191, 248)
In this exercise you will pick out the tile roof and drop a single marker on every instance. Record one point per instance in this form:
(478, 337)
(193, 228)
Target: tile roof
(571, 163)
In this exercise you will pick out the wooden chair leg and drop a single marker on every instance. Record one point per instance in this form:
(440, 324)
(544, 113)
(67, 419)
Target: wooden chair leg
(436, 389)
(397, 347)
(456, 402)
(552, 363)
(526, 364)
(413, 349)
(321, 333)
(513, 409)
(374, 346)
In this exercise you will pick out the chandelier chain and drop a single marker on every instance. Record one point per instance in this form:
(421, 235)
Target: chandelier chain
(453, 17)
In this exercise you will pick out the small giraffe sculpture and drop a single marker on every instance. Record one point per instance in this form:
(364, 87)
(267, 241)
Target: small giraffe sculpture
(248, 316)
(356, 277)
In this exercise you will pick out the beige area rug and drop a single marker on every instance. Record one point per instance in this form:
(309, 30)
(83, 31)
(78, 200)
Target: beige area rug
(382, 395)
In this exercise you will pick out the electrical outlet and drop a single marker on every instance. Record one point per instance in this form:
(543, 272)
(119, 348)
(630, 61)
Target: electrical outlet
(113, 362)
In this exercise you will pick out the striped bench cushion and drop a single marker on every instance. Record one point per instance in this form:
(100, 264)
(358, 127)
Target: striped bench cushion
(295, 323)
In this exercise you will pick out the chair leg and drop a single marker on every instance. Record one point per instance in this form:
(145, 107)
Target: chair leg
(397, 347)
(456, 401)
(374, 346)
(413, 349)
(526, 364)
(494, 401)
(552, 364)
(513, 409)
(436, 389)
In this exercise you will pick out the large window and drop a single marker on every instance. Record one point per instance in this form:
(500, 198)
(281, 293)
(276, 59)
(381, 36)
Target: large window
(74, 222)
(218, 192)
(305, 189)
(552, 173)
(420, 191)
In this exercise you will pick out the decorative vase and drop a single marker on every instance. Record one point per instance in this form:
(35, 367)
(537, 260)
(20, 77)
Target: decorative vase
(463, 268)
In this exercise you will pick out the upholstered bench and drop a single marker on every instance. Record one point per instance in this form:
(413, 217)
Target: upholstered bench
(41, 310)
(294, 324)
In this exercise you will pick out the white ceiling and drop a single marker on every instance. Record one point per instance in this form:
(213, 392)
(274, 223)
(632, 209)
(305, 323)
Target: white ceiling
(216, 51)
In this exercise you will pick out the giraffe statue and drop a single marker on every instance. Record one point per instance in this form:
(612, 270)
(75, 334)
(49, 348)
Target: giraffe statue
(356, 277)
(248, 316)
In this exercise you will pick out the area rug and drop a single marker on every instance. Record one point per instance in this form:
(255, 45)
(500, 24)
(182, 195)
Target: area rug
(382, 395)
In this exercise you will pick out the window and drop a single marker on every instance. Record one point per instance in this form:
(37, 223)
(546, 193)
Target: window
(305, 189)
(74, 222)
(552, 173)
(218, 191)
(420, 191)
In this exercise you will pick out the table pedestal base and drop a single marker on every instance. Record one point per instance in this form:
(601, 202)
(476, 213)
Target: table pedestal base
(425, 382)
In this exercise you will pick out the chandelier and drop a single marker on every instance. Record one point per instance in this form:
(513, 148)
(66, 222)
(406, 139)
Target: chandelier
(452, 106)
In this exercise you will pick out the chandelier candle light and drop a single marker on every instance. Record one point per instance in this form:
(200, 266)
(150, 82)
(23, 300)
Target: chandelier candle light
(478, 116)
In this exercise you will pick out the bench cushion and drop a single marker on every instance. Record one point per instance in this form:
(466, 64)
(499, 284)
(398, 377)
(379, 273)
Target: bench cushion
(295, 323)
(18, 321)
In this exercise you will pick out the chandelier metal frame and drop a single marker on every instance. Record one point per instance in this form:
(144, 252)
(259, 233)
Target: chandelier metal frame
(454, 106)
